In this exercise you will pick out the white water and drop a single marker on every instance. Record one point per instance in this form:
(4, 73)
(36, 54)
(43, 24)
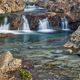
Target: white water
(30, 8)
(64, 24)
(25, 26)
(44, 26)
(5, 25)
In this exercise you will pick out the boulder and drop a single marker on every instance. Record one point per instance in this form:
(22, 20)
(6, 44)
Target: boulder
(8, 63)
(11, 68)
(74, 41)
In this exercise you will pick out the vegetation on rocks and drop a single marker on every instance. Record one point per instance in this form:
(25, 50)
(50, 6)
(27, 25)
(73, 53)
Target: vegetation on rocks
(10, 68)
(25, 75)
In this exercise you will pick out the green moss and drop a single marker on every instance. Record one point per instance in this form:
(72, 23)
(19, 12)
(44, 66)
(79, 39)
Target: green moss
(25, 75)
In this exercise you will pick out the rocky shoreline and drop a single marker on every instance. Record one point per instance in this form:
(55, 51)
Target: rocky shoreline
(40, 62)
(11, 68)
(74, 42)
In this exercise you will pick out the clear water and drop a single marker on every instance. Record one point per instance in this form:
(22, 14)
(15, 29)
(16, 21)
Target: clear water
(36, 40)
(43, 54)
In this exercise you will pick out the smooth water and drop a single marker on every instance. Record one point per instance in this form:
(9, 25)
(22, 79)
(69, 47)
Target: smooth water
(37, 40)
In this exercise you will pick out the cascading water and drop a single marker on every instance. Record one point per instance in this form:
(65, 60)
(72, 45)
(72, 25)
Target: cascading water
(44, 26)
(64, 23)
(5, 26)
(30, 8)
(25, 26)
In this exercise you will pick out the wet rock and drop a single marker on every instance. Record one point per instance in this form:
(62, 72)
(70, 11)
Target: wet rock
(34, 20)
(27, 65)
(16, 21)
(5, 35)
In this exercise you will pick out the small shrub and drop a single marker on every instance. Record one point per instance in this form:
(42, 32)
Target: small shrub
(25, 75)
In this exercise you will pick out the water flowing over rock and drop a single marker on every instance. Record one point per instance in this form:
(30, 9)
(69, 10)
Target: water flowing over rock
(31, 1)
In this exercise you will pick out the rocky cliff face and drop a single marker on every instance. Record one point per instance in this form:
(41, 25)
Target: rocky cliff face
(11, 5)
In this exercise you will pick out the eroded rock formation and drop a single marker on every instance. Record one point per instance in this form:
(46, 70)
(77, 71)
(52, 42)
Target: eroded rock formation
(74, 41)
(8, 64)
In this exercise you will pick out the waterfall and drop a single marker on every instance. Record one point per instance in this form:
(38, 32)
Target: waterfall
(25, 26)
(32, 8)
(44, 25)
(5, 25)
(29, 8)
(64, 23)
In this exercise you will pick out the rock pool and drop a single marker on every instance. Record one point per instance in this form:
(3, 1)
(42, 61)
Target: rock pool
(43, 55)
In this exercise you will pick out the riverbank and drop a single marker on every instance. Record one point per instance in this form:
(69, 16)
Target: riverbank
(11, 68)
